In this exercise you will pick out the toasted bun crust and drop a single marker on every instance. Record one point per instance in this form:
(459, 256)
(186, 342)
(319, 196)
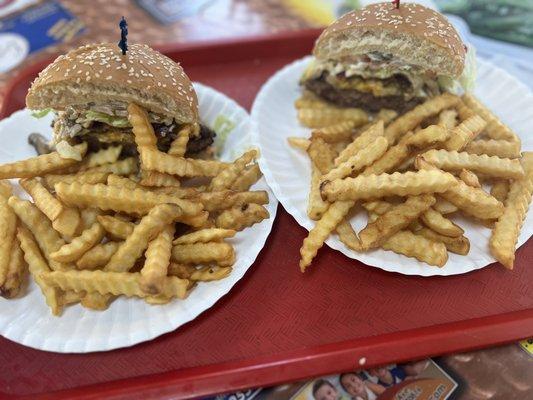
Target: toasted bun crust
(99, 73)
(414, 33)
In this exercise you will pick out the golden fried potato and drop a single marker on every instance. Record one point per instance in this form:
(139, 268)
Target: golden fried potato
(240, 217)
(394, 220)
(40, 165)
(491, 166)
(507, 229)
(376, 186)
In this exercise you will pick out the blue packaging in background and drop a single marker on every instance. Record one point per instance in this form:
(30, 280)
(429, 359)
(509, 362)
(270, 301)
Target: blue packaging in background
(34, 29)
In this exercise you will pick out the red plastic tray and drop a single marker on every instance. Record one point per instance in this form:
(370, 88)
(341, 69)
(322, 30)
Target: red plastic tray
(277, 324)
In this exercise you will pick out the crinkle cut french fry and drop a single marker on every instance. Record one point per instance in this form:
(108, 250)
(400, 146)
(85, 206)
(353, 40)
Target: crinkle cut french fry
(205, 236)
(178, 147)
(415, 246)
(88, 217)
(429, 136)
(118, 199)
(68, 223)
(316, 206)
(389, 161)
(319, 118)
(299, 142)
(358, 161)
(8, 226)
(458, 245)
(378, 207)
(141, 126)
(474, 201)
(147, 229)
(394, 220)
(444, 206)
(321, 154)
(323, 228)
(154, 178)
(500, 148)
(101, 157)
(112, 283)
(69, 297)
(336, 132)
(43, 199)
(464, 133)
(121, 181)
(157, 261)
(6, 190)
(155, 160)
(98, 256)
(348, 236)
(469, 178)
(38, 267)
(464, 111)
(411, 119)
(500, 189)
(40, 165)
(126, 166)
(228, 175)
(363, 140)
(251, 175)
(222, 254)
(41, 228)
(215, 201)
(116, 228)
(507, 229)
(386, 115)
(96, 301)
(240, 217)
(495, 128)
(183, 271)
(492, 166)
(15, 272)
(448, 118)
(434, 220)
(210, 273)
(375, 186)
(50, 180)
(79, 245)
(65, 220)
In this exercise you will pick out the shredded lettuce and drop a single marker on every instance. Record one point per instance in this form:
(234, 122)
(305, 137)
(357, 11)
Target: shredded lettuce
(41, 113)
(467, 80)
(117, 122)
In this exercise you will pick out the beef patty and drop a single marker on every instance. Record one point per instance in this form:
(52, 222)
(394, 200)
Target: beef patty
(367, 101)
(101, 137)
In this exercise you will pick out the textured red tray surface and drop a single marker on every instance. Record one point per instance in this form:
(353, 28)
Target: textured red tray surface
(277, 324)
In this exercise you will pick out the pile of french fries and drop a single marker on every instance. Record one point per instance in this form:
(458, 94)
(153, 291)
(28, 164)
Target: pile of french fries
(102, 226)
(411, 173)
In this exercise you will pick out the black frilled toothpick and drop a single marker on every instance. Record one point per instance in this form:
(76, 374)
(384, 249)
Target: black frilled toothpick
(396, 3)
(123, 44)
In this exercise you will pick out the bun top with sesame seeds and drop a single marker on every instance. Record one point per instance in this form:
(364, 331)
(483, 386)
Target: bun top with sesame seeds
(413, 33)
(99, 73)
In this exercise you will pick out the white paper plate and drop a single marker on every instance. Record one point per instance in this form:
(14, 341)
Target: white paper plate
(28, 321)
(287, 170)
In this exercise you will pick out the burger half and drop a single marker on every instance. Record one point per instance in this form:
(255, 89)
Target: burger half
(89, 90)
(384, 57)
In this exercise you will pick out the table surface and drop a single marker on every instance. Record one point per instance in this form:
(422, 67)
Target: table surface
(225, 19)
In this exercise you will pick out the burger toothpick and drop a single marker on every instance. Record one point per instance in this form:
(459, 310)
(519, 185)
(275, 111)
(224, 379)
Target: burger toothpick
(123, 44)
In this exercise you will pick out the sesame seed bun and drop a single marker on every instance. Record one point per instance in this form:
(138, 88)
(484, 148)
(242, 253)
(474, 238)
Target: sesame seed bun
(99, 73)
(413, 33)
